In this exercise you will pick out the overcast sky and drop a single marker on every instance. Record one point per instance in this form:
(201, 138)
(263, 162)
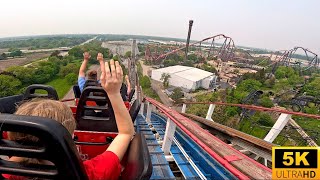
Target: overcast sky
(271, 24)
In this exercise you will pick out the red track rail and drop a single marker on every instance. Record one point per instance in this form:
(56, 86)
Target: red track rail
(259, 108)
(67, 100)
(181, 48)
(173, 116)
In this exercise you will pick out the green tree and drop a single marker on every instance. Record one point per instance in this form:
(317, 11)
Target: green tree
(76, 52)
(284, 72)
(69, 68)
(266, 102)
(209, 68)
(248, 85)
(3, 56)
(165, 79)
(192, 57)
(56, 54)
(15, 53)
(43, 74)
(24, 74)
(175, 57)
(68, 59)
(313, 88)
(231, 111)
(116, 58)
(264, 119)
(187, 63)
(145, 82)
(128, 54)
(270, 82)
(93, 58)
(295, 79)
(169, 62)
(54, 65)
(71, 78)
(59, 62)
(9, 85)
(177, 94)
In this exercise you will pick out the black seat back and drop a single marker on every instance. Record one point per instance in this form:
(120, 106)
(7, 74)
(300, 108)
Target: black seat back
(131, 94)
(56, 146)
(123, 92)
(76, 91)
(9, 104)
(138, 164)
(134, 110)
(95, 118)
(30, 92)
(90, 83)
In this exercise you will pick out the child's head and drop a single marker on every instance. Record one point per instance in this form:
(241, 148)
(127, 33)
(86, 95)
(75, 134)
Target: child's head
(44, 108)
(92, 75)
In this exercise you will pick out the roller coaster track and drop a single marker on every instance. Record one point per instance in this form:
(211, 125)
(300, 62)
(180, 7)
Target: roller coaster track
(300, 130)
(259, 108)
(227, 50)
(211, 144)
(224, 52)
(312, 58)
(239, 164)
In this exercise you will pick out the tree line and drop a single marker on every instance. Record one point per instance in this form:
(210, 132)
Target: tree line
(16, 78)
(46, 42)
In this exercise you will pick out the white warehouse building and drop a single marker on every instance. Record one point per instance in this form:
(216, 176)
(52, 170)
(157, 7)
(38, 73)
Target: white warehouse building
(188, 78)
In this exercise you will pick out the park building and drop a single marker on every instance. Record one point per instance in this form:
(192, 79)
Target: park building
(119, 47)
(187, 78)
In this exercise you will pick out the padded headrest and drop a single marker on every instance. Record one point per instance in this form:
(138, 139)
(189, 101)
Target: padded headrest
(76, 91)
(123, 92)
(9, 104)
(99, 117)
(56, 146)
(91, 83)
(30, 92)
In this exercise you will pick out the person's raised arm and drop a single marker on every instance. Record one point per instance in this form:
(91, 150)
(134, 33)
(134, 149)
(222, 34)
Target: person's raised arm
(111, 83)
(101, 62)
(128, 85)
(86, 57)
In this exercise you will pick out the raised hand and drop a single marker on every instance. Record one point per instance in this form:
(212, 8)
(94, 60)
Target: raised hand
(100, 57)
(112, 80)
(86, 56)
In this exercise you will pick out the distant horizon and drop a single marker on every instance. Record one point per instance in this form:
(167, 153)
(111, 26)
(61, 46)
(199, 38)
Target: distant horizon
(273, 25)
(39, 35)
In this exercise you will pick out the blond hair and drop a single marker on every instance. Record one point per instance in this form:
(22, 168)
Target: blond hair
(44, 108)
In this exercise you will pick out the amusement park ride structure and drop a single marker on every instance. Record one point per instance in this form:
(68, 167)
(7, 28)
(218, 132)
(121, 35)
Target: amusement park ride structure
(209, 48)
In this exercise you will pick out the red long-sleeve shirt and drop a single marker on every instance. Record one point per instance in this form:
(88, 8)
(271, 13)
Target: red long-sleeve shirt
(102, 167)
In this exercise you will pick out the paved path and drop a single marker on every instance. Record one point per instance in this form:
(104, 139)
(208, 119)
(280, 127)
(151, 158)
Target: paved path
(145, 68)
(156, 86)
(88, 41)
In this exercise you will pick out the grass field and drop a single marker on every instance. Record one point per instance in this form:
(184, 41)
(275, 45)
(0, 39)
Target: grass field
(151, 93)
(4, 64)
(311, 127)
(61, 85)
